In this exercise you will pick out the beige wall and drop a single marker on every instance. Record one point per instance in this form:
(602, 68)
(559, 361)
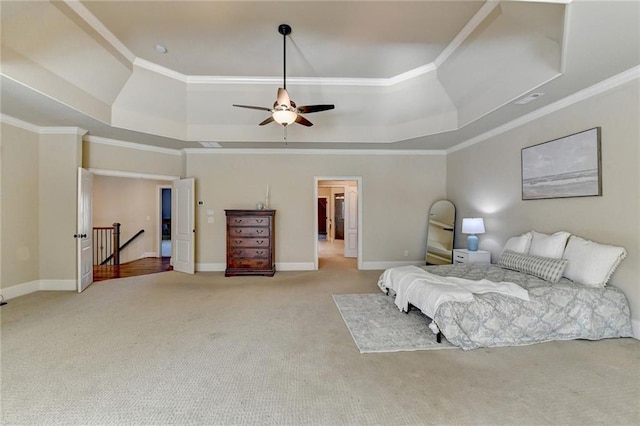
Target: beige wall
(485, 180)
(20, 223)
(134, 204)
(396, 192)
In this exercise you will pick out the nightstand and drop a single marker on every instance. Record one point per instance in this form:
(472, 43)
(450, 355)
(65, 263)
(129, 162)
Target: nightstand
(466, 256)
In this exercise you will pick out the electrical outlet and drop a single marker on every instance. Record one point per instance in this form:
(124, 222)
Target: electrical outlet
(406, 253)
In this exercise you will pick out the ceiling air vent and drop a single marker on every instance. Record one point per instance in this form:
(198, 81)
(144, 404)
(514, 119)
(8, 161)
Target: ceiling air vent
(527, 99)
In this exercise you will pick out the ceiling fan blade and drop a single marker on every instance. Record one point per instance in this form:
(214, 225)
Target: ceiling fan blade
(307, 109)
(301, 120)
(253, 107)
(267, 121)
(283, 97)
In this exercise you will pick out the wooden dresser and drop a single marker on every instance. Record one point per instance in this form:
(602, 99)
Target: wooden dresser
(250, 242)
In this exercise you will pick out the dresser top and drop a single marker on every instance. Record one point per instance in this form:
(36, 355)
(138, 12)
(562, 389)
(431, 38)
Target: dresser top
(264, 212)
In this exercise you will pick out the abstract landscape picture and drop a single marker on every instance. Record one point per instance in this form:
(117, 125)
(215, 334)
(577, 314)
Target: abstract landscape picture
(565, 167)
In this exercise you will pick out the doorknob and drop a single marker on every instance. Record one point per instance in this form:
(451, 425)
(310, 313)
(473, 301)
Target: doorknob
(79, 235)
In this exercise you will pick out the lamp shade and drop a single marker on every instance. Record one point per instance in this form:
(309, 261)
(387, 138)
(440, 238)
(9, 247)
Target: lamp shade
(284, 117)
(472, 225)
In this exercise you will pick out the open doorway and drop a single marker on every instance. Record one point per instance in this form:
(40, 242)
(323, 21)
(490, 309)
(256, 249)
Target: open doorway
(338, 221)
(164, 208)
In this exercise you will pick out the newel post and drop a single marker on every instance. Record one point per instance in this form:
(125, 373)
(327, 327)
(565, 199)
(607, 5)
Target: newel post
(116, 243)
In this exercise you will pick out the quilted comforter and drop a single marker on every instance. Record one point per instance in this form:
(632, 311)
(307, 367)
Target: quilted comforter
(555, 311)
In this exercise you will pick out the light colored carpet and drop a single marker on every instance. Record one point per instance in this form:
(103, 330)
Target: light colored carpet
(175, 349)
(377, 325)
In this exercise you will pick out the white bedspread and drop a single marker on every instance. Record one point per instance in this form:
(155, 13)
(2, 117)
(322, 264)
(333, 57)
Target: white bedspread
(426, 291)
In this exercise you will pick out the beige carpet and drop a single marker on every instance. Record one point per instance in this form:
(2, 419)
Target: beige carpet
(176, 349)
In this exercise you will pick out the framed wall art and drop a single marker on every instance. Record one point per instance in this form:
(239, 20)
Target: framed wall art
(564, 167)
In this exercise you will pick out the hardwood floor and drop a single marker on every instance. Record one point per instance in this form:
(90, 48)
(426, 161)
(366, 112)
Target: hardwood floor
(148, 265)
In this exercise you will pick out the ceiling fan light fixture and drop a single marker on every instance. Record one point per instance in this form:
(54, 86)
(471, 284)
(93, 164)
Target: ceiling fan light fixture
(284, 117)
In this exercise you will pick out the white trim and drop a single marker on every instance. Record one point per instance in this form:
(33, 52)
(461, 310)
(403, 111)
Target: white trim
(148, 254)
(131, 145)
(42, 130)
(12, 121)
(99, 27)
(58, 285)
(133, 175)
(54, 130)
(37, 285)
(466, 31)
(279, 151)
(635, 327)
(294, 266)
(385, 265)
(280, 267)
(596, 89)
(211, 267)
(20, 289)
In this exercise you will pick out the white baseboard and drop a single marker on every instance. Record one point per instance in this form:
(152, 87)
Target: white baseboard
(149, 254)
(635, 327)
(38, 285)
(284, 266)
(294, 266)
(210, 267)
(386, 265)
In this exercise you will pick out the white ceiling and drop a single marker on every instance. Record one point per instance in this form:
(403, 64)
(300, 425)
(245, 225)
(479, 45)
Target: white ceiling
(403, 75)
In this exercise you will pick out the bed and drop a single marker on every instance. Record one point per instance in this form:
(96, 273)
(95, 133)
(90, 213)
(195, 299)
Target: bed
(555, 308)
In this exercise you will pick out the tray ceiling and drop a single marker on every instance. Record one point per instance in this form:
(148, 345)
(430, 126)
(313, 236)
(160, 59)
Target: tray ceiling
(403, 75)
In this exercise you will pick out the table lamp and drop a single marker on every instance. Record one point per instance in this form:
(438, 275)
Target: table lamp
(472, 226)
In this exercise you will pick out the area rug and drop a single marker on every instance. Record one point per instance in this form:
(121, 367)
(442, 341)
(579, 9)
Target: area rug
(377, 325)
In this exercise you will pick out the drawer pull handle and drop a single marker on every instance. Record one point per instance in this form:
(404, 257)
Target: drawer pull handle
(238, 220)
(259, 231)
(260, 252)
(238, 231)
(260, 241)
(238, 241)
(259, 220)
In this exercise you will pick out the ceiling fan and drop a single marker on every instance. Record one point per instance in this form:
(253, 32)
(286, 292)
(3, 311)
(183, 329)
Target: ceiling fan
(285, 111)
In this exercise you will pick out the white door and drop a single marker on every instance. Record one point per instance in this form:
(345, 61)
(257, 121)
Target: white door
(183, 229)
(351, 222)
(84, 235)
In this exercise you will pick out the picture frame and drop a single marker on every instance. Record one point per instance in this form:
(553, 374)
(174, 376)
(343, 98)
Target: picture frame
(566, 167)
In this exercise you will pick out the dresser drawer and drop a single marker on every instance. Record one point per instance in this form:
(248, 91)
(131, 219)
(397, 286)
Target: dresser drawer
(235, 242)
(245, 262)
(249, 221)
(236, 231)
(250, 252)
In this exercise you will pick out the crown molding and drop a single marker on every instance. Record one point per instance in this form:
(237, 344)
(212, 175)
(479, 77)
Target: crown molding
(42, 130)
(7, 119)
(284, 151)
(598, 88)
(132, 175)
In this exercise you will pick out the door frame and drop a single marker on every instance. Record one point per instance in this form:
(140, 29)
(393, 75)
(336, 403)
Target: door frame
(316, 180)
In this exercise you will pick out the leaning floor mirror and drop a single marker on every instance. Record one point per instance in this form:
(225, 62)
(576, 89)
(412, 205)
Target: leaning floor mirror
(440, 233)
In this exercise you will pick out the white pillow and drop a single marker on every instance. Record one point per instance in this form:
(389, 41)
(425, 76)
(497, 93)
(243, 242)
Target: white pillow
(591, 263)
(548, 245)
(518, 244)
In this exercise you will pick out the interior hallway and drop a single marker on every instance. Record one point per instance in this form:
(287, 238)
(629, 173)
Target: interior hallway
(331, 255)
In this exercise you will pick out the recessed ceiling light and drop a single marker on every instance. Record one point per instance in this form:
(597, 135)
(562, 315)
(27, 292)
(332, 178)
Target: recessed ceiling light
(160, 48)
(527, 99)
